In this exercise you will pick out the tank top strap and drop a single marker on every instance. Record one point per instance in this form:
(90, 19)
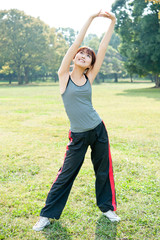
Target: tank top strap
(69, 79)
(86, 77)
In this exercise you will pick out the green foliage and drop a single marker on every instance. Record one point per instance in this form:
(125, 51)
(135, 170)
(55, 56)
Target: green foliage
(24, 41)
(28, 46)
(113, 62)
(57, 49)
(138, 27)
(69, 34)
(115, 41)
(92, 40)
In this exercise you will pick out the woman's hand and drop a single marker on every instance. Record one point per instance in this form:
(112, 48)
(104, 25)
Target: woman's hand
(108, 15)
(104, 14)
(96, 14)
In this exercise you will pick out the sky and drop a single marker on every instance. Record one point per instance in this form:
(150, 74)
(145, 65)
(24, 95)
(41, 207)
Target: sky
(64, 13)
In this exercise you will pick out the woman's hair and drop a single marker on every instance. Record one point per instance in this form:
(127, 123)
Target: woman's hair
(89, 51)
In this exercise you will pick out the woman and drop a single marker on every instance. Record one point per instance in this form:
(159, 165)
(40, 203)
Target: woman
(86, 129)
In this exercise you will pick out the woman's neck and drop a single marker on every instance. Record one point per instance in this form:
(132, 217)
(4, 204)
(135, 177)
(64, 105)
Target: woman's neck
(77, 72)
(77, 76)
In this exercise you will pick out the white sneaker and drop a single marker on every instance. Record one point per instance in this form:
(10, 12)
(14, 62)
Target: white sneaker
(42, 223)
(112, 216)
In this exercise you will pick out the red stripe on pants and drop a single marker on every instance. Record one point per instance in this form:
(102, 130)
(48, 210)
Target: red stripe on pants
(111, 178)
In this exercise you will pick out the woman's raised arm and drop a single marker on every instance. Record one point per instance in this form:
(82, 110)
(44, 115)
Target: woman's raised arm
(102, 47)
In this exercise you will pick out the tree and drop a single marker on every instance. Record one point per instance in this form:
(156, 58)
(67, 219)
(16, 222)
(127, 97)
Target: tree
(112, 64)
(138, 27)
(57, 49)
(69, 34)
(92, 41)
(23, 42)
(115, 40)
(155, 2)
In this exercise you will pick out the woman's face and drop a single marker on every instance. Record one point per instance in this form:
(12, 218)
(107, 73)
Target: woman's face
(83, 59)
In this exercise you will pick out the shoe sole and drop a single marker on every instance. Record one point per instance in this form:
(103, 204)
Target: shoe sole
(114, 220)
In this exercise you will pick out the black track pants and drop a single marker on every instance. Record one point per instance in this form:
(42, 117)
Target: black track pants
(74, 157)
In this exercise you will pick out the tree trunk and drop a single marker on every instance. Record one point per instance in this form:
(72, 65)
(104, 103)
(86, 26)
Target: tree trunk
(131, 78)
(20, 79)
(26, 76)
(10, 80)
(115, 77)
(157, 80)
(152, 77)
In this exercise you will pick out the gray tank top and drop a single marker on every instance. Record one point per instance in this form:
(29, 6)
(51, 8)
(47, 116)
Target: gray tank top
(78, 105)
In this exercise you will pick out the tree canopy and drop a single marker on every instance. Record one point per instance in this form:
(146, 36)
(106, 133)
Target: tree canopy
(139, 30)
(28, 46)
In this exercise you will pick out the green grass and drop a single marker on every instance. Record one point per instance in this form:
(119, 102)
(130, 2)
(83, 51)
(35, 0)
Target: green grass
(33, 138)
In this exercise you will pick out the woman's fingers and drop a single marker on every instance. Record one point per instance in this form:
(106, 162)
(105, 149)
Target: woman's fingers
(108, 15)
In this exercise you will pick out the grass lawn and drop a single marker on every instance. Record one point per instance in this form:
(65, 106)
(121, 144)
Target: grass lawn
(33, 138)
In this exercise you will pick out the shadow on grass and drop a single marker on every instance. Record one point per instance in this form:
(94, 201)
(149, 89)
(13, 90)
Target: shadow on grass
(57, 232)
(105, 229)
(153, 93)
